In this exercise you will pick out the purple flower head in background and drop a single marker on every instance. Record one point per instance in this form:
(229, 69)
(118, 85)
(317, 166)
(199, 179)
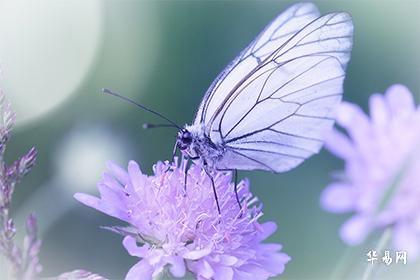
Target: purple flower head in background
(174, 231)
(381, 182)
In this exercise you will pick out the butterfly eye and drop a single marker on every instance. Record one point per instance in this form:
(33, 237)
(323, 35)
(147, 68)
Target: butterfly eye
(186, 137)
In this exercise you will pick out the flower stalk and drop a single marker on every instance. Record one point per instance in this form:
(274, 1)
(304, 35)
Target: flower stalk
(382, 243)
(23, 262)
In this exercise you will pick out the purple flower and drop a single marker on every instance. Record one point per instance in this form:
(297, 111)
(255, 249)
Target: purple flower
(174, 231)
(79, 274)
(381, 180)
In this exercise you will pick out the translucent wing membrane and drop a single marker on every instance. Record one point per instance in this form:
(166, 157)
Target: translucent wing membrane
(273, 106)
(274, 35)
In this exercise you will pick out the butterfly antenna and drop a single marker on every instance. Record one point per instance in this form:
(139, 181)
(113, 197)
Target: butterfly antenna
(110, 92)
(151, 125)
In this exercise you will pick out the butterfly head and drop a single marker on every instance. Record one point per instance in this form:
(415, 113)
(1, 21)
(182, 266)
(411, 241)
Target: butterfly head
(184, 139)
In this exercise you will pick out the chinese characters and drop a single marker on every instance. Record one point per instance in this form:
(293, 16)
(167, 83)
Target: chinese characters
(400, 257)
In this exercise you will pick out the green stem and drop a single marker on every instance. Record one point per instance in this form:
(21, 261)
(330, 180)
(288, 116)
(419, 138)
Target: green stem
(383, 241)
(342, 264)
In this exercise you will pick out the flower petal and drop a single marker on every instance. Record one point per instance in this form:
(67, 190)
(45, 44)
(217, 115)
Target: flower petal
(112, 196)
(255, 271)
(130, 245)
(338, 198)
(379, 110)
(339, 144)
(111, 207)
(400, 100)
(119, 173)
(177, 267)
(228, 260)
(204, 269)
(135, 174)
(355, 230)
(275, 263)
(350, 114)
(223, 273)
(140, 271)
(197, 254)
(269, 247)
(88, 200)
(268, 228)
(405, 238)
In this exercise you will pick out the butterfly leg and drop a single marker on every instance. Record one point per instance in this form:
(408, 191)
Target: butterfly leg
(193, 158)
(214, 187)
(186, 171)
(173, 157)
(236, 190)
(185, 178)
(235, 172)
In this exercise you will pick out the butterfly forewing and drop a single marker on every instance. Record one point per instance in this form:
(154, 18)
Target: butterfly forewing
(281, 29)
(271, 109)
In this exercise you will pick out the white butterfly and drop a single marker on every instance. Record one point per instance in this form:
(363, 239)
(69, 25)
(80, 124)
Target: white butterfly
(271, 106)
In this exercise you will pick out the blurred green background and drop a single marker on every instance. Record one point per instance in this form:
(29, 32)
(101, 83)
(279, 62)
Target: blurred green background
(57, 55)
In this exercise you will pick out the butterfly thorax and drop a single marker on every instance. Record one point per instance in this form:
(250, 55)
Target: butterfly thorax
(195, 144)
